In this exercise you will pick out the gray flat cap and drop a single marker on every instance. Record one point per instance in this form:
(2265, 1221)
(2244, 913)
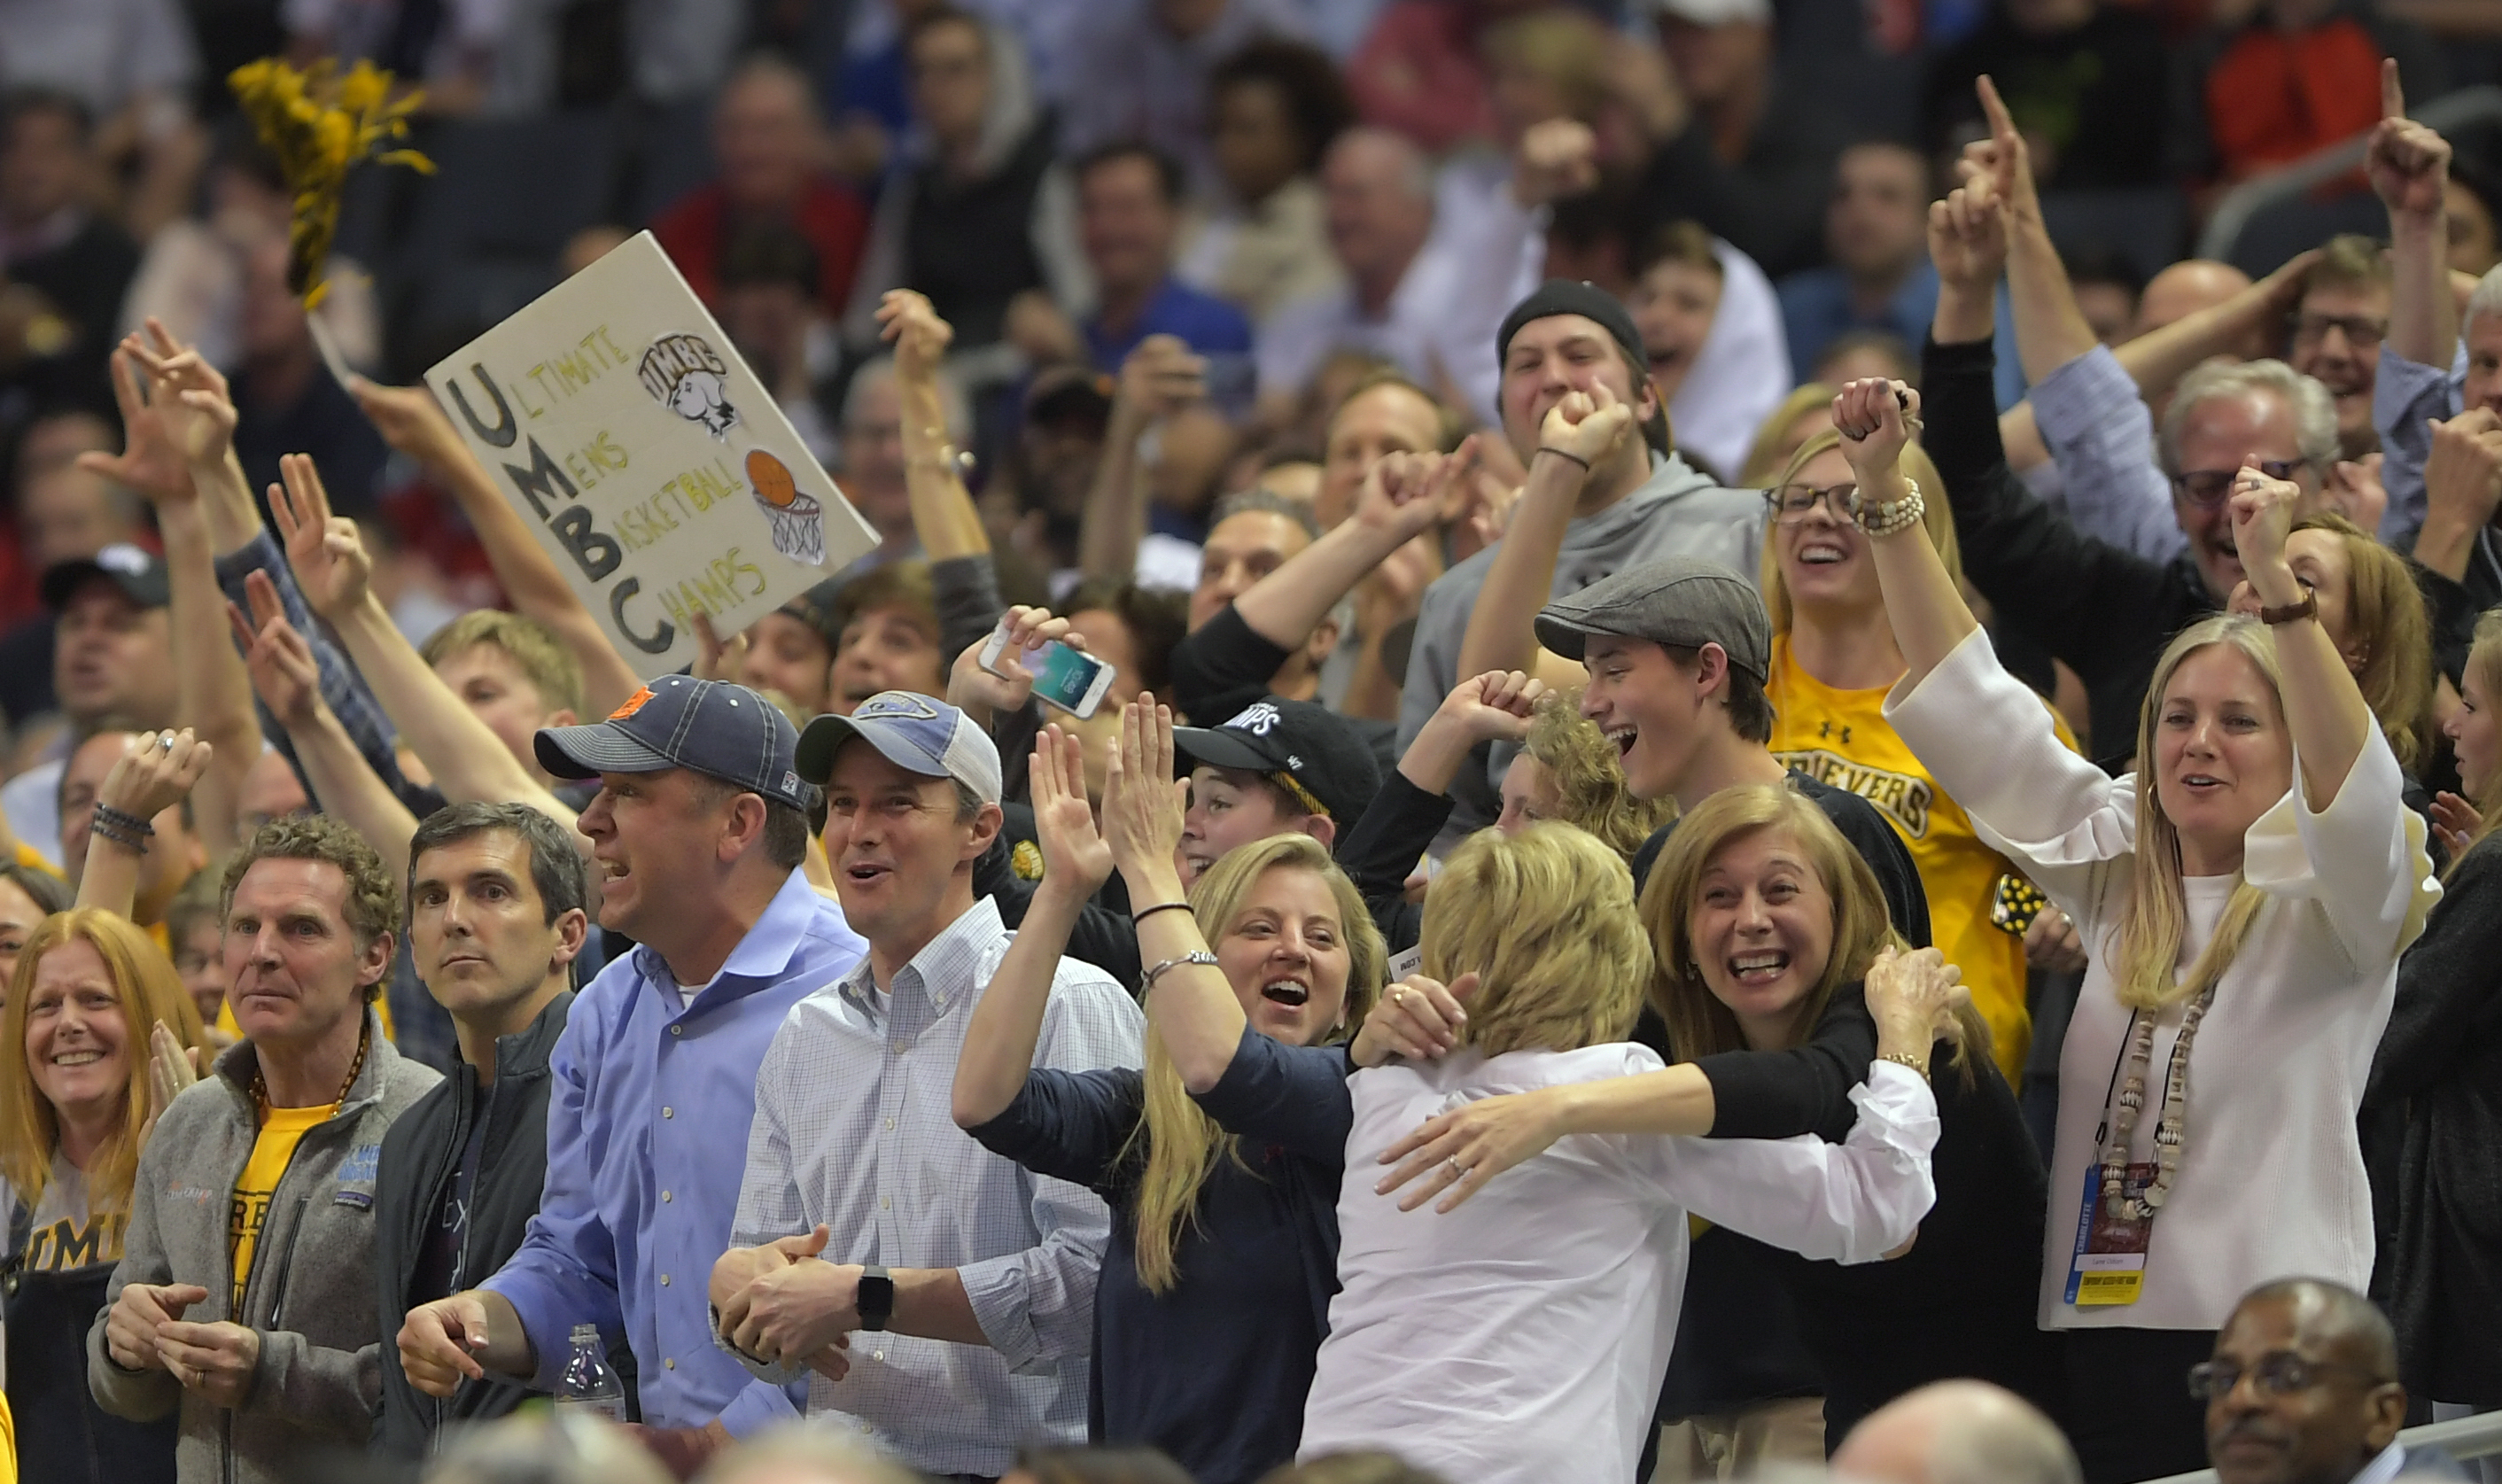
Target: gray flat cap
(1680, 600)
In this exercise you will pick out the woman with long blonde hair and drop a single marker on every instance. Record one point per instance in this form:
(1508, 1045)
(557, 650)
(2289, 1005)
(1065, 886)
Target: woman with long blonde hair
(1520, 1336)
(2244, 897)
(100, 1033)
(1834, 658)
(1221, 1158)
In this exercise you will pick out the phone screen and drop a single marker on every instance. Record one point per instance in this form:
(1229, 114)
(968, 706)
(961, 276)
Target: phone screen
(1061, 676)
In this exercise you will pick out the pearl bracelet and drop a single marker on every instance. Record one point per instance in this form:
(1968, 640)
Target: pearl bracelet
(1892, 517)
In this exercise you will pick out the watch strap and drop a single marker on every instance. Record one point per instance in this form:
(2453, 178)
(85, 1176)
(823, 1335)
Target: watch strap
(876, 1296)
(2290, 613)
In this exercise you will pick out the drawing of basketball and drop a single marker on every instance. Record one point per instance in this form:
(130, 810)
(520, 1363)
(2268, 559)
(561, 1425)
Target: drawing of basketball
(799, 519)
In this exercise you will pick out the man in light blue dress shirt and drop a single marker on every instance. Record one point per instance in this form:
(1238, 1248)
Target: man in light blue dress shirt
(698, 829)
(964, 1283)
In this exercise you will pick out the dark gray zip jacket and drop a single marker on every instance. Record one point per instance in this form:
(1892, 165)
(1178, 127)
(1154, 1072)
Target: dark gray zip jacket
(310, 1291)
(418, 1156)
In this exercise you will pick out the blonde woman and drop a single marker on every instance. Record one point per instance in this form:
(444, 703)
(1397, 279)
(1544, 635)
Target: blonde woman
(100, 1032)
(1834, 658)
(1221, 1158)
(1568, 770)
(2244, 897)
(1521, 1338)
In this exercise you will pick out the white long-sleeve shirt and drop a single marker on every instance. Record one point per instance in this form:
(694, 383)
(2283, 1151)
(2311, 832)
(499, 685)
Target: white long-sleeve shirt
(1521, 1340)
(2271, 1179)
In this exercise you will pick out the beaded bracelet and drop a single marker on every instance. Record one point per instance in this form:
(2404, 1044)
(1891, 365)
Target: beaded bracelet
(1891, 517)
(121, 819)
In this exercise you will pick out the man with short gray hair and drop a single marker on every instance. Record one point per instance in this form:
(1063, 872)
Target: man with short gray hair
(1957, 1432)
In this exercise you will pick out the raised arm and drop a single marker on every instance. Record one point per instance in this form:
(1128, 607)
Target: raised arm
(1580, 432)
(2323, 708)
(1401, 498)
(2409, 166)
(283, 674)
(331, 566)
(1190, 1008)
(1927, 612)
(1006, 1026)
(168, 447)
(153, 774)
(1159, 377)
(944, 515)
(411, 421)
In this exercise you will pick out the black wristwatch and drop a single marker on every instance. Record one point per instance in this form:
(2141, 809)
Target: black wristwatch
(876, 1296)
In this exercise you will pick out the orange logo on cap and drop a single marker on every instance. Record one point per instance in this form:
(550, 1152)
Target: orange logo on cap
(633, 704)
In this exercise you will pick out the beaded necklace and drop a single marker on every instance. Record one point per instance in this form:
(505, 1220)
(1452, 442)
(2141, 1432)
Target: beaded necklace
(2169, 1124)
(260, 1082)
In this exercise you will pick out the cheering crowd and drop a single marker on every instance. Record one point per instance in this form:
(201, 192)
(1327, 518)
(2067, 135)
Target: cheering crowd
(1745, 816)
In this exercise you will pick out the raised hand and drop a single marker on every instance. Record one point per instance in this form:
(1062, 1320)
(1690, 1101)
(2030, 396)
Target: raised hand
(1496, 706)
(2456, 821)
(2463, 473)
(1968, 237)
(908, 321)
(1076, 859)
(2262, 510)
(410, 420)
(1406, 494)
(154, 772)
(1913, 997)
(328, 555)
(2354, 489)
(1874, 417)
(1162, 377)
(169, 1072)
(284, 673)
(1418, 1017)
(176, 416)
(714, 659)
(1143, 801)
(1586, 425)
(2407, 162)
(973, 684)
(1556, 159)
(2003, 159)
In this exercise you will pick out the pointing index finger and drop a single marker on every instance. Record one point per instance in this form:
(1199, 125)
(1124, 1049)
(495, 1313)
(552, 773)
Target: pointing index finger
(2002, 125)
(2393, 94)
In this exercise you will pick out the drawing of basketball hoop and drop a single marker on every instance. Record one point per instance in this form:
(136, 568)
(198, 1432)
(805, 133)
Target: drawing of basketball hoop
(799, 519)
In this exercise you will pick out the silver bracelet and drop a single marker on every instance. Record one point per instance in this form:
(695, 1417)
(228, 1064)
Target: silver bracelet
(1148, 980)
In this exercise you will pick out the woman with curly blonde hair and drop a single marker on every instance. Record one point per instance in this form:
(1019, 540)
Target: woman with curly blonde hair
(1568, 770)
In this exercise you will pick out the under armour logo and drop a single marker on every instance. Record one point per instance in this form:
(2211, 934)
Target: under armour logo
(1825, 729)
(1257, 719)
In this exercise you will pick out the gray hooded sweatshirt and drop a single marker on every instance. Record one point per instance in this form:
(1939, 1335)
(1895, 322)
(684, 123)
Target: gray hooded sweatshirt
(311, 1290)
(1677, 512)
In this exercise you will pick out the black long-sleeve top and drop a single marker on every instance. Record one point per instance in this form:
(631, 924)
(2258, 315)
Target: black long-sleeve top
(2105, 611)
(2432, 1118)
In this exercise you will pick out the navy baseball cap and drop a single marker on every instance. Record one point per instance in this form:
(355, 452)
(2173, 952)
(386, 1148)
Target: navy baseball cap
(913, 732)
(1322, 753)
(707, 726)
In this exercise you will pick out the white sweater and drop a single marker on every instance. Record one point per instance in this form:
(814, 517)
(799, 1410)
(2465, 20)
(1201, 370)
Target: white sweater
(1521, 1340)
(2271, 1180)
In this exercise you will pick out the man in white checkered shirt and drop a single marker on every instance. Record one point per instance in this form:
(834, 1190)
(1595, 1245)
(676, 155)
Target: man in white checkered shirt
(923, 1243)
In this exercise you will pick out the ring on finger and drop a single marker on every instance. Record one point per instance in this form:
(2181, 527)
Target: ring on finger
(1459, 1171)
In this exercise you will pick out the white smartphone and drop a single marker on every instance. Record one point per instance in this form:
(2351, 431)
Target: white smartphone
(1071, 679)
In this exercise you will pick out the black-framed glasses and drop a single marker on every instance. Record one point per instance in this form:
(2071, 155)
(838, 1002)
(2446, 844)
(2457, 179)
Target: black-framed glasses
(2362, 331)
(1791, 503)
(2278, 1374)
(2209, 487)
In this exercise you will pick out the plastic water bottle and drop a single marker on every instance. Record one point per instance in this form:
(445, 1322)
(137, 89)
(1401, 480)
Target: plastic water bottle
(589, 1389)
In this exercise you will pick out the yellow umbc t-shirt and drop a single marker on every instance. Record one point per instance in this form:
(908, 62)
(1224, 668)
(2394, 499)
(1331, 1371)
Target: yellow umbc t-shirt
(1841, 738)
(271, 1153)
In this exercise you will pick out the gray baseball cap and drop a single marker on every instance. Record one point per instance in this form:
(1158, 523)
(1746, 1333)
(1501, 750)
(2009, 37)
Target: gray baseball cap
(1681, 600)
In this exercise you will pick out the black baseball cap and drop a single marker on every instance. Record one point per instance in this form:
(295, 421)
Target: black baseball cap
(1681, 600)
(708, 726)
(138, 572)
(1320, 751)
(1565, 297)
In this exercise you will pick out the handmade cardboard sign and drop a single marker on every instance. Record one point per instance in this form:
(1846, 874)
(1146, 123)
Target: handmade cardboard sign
(649, 460)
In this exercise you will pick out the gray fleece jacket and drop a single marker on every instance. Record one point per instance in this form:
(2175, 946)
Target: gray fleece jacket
(1677, 512)
(310, 1292)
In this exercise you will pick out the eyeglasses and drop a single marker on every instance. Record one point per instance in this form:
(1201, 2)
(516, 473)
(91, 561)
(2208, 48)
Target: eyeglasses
(2208, 486)
(1791, 503)
(2361, 331)
(2278, 1374)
